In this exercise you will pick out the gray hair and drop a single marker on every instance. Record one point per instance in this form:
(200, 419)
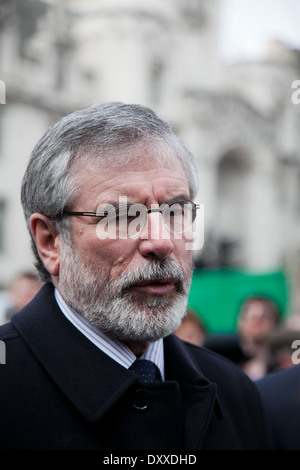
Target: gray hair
(96, 132)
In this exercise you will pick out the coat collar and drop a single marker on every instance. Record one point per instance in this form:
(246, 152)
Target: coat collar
(76, 365)
(93, 381)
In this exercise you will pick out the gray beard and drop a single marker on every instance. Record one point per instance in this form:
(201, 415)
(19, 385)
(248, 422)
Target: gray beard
(111, 308)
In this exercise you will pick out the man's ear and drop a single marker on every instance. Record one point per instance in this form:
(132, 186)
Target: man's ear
(47, 241)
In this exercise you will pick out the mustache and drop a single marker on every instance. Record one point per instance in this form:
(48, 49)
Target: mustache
(155, 269)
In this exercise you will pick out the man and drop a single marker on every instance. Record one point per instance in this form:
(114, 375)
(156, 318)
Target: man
(258, 319)
(280, 392)
(107, 196)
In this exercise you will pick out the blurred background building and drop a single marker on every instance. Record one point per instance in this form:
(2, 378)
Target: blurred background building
(237, 117)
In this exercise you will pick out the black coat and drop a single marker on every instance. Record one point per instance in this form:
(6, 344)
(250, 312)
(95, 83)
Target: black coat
(59, 391)
(280, 393)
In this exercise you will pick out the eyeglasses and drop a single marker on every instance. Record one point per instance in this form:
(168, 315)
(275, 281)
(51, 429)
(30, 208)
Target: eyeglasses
(128, 220)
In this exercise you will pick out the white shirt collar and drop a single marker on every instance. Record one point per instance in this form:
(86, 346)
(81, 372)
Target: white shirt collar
(113, 348)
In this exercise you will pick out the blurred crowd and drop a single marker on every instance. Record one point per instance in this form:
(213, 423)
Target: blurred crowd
(21, 290)
(263, 342)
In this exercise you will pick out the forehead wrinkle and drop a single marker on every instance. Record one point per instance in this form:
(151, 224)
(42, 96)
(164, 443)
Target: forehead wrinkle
(140, 188)
(110, 183)
(106, 181)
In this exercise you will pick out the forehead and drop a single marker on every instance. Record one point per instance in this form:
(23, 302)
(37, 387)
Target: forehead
(142, 175)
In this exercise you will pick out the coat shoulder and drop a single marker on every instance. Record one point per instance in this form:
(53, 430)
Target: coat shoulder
(214, 364)
(8, 333)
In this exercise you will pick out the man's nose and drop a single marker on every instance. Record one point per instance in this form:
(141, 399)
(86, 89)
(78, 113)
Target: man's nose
(155, 238)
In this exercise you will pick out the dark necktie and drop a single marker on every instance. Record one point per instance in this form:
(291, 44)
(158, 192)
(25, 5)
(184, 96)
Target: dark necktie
(146, 370)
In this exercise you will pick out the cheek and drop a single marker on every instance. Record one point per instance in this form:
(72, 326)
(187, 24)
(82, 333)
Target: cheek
(183, 256)
(183, 249)
(108, 253)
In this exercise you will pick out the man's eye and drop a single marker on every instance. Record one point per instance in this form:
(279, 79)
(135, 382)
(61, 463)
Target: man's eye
(176, 209)
(175, 212)
(128, 213)
(121, 217)
(118, 214)
(99, 216)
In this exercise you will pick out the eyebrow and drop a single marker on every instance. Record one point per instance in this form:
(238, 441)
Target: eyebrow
(130, 203)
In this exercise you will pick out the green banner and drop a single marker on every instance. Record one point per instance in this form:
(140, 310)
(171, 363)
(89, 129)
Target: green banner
(217, 295)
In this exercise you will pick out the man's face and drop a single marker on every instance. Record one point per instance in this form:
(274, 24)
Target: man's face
(133, 289)
(256, 321)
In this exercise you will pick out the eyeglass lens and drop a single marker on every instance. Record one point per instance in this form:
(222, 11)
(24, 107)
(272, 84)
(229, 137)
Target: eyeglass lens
(129, 220)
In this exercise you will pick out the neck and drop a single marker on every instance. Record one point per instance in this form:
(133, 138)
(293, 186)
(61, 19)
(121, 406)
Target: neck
(137, 348)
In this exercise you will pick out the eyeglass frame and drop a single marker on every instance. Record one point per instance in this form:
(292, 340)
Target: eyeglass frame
(195, 207)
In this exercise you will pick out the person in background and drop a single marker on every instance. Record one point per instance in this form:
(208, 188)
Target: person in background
(92, 361)
(192, 328)
(258, 318)
(248, 347)
(280, 393)
(21, 291)
(228, 345)
(281, 347)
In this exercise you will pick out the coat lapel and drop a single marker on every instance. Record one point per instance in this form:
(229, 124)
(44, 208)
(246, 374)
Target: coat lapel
(91, 380)
(198, 393)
